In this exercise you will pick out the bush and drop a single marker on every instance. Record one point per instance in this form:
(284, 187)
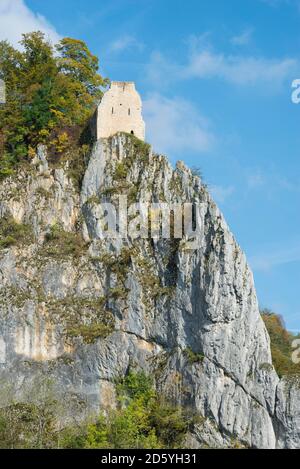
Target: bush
(84, 317)
(120, 171)
(192, 356)
(143, 419)
(196, 171)
(170, 423)
(63, 243)
(7, 164)
(90, 332)
(12, 233)
(135, 385)
(281, 344)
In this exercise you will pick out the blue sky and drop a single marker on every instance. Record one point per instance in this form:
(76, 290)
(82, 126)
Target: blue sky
(215, 77)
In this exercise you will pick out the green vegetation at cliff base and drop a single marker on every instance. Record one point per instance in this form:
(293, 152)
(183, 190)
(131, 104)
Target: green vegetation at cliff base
(141, 418)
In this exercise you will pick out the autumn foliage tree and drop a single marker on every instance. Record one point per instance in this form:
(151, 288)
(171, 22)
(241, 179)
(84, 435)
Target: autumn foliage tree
(281, 344)
(51, 93)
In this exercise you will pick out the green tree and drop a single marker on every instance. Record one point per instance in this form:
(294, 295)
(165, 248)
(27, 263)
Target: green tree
(281, 344)
(51, 93)
(81, 65)
(143, 419)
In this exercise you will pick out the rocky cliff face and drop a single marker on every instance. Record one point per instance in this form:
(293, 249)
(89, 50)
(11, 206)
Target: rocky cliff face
(82, 308)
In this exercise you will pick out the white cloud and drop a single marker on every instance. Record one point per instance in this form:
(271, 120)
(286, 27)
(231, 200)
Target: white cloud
(174, 125)
(221, 193)
(275, 256)
(270, 181)
(239, 70)
(16, 18)
(280, 3)
(205, 63)
(242, 39)
(276, 3)
(288, 185)
(255, 179)
(125, 42)
(160, 71)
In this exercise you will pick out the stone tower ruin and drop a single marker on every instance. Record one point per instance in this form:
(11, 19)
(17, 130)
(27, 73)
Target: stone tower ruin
(120, 110)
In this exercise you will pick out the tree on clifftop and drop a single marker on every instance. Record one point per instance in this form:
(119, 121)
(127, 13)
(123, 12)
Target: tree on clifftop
(51, 92)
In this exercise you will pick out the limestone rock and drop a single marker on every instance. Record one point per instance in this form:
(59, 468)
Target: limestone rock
(287, 418)
(84, 312)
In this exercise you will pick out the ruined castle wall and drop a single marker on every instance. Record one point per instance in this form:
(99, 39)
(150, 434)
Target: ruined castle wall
(120, 110)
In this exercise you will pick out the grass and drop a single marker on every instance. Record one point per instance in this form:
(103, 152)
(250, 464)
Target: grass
(43, 193)
(192, 356)
(118, 293)
(140, 148)
(63, 243)
(121, 171)
(118, 265)
(90, 332)
(93, 200)
(13, 233)
(82, 317)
